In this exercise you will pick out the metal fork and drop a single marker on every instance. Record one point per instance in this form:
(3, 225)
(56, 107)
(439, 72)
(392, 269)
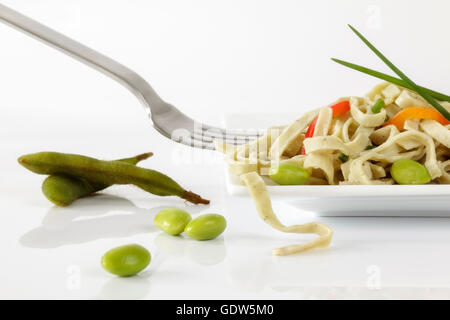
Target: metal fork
(166, 119)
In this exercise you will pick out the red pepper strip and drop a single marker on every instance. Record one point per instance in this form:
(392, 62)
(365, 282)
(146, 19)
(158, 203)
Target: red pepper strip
(339, 108)
(312, 127)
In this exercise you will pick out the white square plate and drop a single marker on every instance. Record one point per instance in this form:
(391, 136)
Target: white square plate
(360, 200)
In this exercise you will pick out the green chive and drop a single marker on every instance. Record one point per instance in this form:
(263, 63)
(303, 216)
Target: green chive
(388, 78)
(370, 147)
(416, 88)
(376, 108)
(343, 158)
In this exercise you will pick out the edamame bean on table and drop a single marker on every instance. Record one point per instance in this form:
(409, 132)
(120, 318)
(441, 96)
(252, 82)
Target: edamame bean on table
(107, 173)
(206, 227)
(407, 171)
(63, 190)
(172, 220)
(127, 260)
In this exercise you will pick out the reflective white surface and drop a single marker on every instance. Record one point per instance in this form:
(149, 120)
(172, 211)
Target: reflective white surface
(55, 252)
(49, 102)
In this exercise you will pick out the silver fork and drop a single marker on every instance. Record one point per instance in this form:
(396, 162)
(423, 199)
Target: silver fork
(166, 119)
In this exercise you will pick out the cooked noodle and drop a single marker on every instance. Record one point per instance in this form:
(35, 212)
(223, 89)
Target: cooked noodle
(370, 144)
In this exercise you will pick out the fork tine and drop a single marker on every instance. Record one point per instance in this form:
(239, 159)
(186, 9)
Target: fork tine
(190, 138)
(239, 133)
(230, 136)
(234, 140)
(192, 142)
(226, 139)
(190, 134)
(246, 132)
(221, 134)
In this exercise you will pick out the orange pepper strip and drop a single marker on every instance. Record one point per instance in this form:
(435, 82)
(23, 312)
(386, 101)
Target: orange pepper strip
(416, 113)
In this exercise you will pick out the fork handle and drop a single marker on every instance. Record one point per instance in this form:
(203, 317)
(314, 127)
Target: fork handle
(130, 79)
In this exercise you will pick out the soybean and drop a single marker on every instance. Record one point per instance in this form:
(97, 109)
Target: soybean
(407, 171)
(206, 227)
(288, 174)
(343, 157)
(127, 260)
(376, 108)
(107, 173)
(63, 190)
(172, 220)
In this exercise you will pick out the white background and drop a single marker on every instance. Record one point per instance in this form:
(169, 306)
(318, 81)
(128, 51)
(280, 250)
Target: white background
(208, 58)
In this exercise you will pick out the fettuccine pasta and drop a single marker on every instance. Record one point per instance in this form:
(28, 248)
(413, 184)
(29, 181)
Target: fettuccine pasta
(353, 141)
(369, 140)
(257, 189)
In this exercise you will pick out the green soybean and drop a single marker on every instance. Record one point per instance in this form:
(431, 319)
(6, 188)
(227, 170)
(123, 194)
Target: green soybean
(107, 173)
(172, 220)
(288, 174)
(63, 190)
(407, 171)
(206, 227)
(376, 108)
(343, 157)
(127, 260)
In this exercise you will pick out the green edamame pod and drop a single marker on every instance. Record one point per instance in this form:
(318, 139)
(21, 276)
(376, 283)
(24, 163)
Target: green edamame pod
(107, 173)
(62, 189)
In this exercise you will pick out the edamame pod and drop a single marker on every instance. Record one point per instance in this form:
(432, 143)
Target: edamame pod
(62, 189)
(107, 173)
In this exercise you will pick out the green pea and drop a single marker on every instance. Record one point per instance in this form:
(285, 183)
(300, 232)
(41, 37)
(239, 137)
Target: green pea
(127, 260)
(407, 171)
(172, 220)
(206, 227)
(288, 174)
